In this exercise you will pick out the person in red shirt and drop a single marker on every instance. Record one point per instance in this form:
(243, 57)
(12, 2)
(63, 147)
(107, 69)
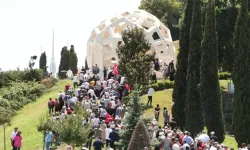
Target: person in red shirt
(69, 111)
(109, 118)
(51, 105)
(67, 86)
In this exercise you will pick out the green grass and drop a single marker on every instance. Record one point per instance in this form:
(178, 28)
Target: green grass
(164, 99)
(27, 119)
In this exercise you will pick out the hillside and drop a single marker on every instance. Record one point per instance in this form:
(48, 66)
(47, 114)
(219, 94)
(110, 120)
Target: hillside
(27, 118)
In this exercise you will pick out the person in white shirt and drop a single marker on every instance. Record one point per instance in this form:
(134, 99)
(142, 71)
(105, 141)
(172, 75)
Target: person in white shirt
(150, 94)
(12, 136)
(86, 84)
(91, 92)
(107, 132)
(75, 81)
(185, 146)
(81, 78)
(69, 74)
(86, 77)
(176, 145)
(60, 94)
(122, 80)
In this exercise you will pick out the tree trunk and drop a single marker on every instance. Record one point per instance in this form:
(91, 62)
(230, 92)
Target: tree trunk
(4, 136)
(44, 140)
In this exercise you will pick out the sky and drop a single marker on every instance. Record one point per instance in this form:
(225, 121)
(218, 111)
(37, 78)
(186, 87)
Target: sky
(27, 25)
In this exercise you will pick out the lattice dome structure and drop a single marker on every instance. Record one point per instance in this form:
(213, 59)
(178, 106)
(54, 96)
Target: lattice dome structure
(104, 39)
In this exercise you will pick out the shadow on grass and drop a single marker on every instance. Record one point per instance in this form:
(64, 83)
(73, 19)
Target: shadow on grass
(146, 107)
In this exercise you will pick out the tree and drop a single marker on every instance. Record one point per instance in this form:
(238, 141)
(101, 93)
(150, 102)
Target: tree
(140, 137)
(168, 11)
(64, 62)
(71, 130)
(209, 83)
(241, 76)
(86, 64)
(194, 117)
(43, 62)
(73, 60)
(133, 118)
(134, 57)
(5, 117)
(179, 90)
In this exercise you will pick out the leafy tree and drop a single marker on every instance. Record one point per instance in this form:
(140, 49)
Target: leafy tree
(179, 91)
(140, 137)
(71, 130)
(73, 60)
(167, 11)
(135, 57)
(241, 76)
(194, 117)
(43, 62)
(64, 62)
(133, 118)
(5, 118)
(209, 83)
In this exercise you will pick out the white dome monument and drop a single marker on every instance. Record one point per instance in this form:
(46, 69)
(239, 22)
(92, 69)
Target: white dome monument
(103, 41)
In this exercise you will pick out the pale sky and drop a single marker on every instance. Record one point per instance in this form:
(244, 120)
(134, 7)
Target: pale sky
(26, 25)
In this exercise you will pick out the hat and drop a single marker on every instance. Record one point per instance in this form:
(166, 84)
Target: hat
(212, 133)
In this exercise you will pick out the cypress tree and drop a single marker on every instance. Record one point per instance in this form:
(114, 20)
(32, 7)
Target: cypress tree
(140, 137)
(209, 82)
(194, 118)
(133, 118)
(73, 60)
(64, 62)
(179, 90)
(86, 64)
(43, 62)
(241, 77)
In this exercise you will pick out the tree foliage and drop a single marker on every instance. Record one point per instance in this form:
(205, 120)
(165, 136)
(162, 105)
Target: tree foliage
(134, 57)
(179, 91)
(73, 60)
(241, 78)
(209, 83)
(134, 116)
(167, 11)
(140, 137)
(43, 62)
(64, 62)
(194, 117)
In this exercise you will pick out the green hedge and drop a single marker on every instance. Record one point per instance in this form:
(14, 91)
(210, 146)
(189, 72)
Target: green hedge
(18, 94)
(162, 85)
(224, 75)
(14, 75)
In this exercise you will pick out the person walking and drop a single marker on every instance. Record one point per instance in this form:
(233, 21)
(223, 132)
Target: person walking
(48, 139)
(12, 136)
(18, 141)
(150, 94)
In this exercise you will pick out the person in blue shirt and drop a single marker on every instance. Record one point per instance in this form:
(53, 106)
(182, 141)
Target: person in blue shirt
(48, 139)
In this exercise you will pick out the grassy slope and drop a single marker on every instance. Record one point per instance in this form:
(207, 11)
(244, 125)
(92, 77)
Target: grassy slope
(164, 99)
(27, 120)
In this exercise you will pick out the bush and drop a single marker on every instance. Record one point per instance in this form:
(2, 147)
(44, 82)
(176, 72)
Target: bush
(15, 75)
(19, 94)
(224, 75)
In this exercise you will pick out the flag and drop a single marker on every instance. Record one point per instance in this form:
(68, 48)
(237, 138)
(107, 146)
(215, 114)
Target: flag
(115, 69)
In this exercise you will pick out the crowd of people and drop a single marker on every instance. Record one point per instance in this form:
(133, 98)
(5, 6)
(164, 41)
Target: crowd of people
(103, 100)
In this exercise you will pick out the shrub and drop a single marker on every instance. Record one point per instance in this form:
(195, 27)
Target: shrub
(14, 75)
(19, 94)
(224, 75)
